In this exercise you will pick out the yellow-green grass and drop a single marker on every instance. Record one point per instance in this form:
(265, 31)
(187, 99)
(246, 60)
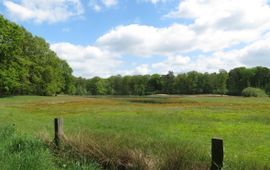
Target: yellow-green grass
(150, 124)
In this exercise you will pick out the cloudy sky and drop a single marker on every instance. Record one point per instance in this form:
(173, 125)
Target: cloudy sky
(109, 37)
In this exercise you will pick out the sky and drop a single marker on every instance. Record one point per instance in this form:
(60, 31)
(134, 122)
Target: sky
(128, 37)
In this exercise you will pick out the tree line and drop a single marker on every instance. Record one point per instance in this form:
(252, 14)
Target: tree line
(29, 67)
(223, 82)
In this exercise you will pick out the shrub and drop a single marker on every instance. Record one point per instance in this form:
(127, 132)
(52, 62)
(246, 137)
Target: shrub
(253, 92)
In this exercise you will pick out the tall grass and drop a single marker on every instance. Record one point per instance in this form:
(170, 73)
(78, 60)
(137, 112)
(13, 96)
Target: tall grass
(115, 153)
(22, 152)
(147, 132)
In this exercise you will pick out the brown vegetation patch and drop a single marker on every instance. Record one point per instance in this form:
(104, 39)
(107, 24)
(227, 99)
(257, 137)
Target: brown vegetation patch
(110, 154)
(69, 105)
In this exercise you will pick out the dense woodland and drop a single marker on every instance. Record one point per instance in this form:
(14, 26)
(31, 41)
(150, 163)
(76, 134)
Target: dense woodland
(223, 82)
(29, 67)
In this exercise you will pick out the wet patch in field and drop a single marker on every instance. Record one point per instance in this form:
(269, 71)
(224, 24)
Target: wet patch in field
(160, 101)
(147, 101)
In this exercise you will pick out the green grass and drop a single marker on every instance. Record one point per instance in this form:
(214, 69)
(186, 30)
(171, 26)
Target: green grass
(21, 152)
(152, 126)
(24, 152)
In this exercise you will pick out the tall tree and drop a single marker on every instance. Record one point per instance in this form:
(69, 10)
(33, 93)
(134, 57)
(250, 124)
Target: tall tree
(168, 83)
(28, 66)
(239, 78)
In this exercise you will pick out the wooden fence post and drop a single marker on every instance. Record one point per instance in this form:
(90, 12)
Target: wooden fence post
(217, 154)
(58, 131)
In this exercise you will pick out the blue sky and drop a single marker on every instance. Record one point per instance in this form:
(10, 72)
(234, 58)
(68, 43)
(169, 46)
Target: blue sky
(85, 29)
(108, 37)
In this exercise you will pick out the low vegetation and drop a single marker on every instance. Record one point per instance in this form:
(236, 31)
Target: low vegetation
(22, 152)
(253, 92)
(167, 132)
(115, 153)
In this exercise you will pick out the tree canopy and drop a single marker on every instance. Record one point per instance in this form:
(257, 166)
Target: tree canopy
(28, 66)
(223, 82)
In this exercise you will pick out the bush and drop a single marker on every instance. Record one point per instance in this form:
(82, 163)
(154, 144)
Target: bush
(253, 92)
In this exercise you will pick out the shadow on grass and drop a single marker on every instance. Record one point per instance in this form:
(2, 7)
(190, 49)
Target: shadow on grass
(6, 96)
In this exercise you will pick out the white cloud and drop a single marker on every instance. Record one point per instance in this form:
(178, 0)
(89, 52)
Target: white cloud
(98, 5)
(87, 61)
(217, 25)
(109, 3)
(224, 14)
(142, 69)
(142, 40)
(40, 11)
(173, 63)
(220, 24)
(154, 1)
(255, 54)
(222, 34)
(201, 63)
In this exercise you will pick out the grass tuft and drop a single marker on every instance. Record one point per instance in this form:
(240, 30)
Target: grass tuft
(87, 148)
(108, 154)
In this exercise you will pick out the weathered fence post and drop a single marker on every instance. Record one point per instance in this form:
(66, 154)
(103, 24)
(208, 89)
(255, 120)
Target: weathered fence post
(217, 154)
(58, 131)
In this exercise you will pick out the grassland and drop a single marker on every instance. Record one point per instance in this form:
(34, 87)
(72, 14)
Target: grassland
(116, 131)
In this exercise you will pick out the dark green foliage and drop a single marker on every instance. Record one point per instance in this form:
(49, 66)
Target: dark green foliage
(80, 86)
(267, 88)
(96, 86)
(28, 66)
(154, 84)
(219, 82)
(261, 77)
(253, 92)
(168, 82)
(185, 83)
(241, 78)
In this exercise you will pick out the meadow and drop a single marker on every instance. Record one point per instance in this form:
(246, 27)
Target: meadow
(154, 132)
